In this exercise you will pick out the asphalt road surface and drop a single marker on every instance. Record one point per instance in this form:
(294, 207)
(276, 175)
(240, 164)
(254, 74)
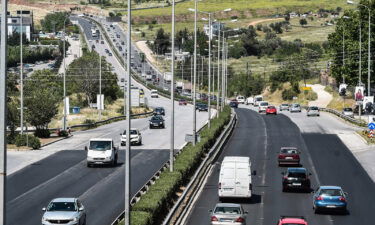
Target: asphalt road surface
(324, 155)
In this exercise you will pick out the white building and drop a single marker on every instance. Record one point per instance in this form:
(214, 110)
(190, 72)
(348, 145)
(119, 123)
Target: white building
(216, 26)
(14, 24)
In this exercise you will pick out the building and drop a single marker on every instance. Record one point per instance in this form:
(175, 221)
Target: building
(216, 26)
(14, 23)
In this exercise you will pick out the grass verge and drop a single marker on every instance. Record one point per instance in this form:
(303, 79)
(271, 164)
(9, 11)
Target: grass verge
(365, 135)
(155, 204)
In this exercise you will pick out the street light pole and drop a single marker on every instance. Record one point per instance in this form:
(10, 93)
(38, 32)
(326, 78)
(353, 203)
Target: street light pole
(171, 153)
(222, 75)
(100, 87)
(3, 97)
(128, 122)
(209, 69)
(65, 104)
(21, 71)
(218, 72)
(195, 72)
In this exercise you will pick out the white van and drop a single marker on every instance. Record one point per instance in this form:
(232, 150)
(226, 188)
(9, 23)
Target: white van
(262, 106)
(235, 178)
(240, 99)
(257, 99)
(154, 93)
(250, 101)
(101, 151)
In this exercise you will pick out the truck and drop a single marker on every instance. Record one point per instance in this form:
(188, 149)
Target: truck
(167, 77)
(148, 77)
(179, 85)
(94, 32)
(101, 151)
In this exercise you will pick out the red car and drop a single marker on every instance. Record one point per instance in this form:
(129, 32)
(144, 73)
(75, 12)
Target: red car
(289, 156)
(271, 110)
(295, 220)
(182, 102)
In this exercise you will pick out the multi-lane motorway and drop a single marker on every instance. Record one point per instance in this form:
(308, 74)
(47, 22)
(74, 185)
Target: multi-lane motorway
(324, 155)
(63, 173)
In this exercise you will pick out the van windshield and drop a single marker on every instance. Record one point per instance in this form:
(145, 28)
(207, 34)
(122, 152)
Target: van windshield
(100, 145)
(258, 99)
(264, 104)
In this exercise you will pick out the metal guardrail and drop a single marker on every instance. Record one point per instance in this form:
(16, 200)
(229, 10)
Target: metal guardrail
(347, 118)
(221, 140)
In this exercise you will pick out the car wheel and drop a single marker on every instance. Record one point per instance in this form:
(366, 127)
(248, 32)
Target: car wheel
(316, 211)
(115, 162)
(122, 144)
(88, 164)
(284, 189)
(140, 143)
(150, 127)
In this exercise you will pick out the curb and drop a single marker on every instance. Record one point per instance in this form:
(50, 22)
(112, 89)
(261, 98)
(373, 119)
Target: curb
(55, 141)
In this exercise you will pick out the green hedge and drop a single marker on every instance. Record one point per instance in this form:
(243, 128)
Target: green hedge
(156, 203)
(27, 140)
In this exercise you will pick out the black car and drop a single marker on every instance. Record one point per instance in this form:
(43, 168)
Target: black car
(201, 107)
(157, 121)
(159, 111)
(233, 104)
(296, 179)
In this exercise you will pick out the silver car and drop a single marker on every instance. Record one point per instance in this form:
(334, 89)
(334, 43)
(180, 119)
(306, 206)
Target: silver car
(284, 106)
(69, 211)
(313, 111)
(228, 213)
(295, 108)
(348, 112)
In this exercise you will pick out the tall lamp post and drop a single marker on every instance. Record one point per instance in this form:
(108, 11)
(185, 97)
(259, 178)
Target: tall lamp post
(171, 153)
(21, 70)
(369, 45)
(64, 79)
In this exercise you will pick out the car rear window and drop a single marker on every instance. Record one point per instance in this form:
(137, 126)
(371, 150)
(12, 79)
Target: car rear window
(348, 110)
(264, 103)
(227, 210)
(299, 175)
(330, 192)
(313, 108)
(271, 107)
(289, 151)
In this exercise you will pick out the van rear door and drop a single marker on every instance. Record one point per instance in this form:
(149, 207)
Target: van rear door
(243, 179)
(227, 181)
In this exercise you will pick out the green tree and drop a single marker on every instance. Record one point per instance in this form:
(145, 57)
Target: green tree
(54, 22)
(161, 42)
(44, 92)
(303, 22)
(13, 115)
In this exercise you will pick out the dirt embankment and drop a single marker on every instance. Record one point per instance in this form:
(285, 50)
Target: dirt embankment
(254, 23)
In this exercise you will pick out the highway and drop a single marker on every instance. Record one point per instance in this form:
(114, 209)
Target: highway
(324, 155)
(59, 170)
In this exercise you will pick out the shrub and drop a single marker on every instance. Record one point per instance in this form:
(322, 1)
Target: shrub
(63, 133)
(27, 140)
(42, 133)
(288, 94)
(90, 122)
(34, 143)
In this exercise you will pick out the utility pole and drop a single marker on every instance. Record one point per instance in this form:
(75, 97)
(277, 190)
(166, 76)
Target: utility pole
(3, 98)
(218, 73)
(171, 153)
(65, 103)
(195, 73)
(222, 74)
(128, 122)
(100, 87)
(21, 71)
(369, 54)
(209, 69)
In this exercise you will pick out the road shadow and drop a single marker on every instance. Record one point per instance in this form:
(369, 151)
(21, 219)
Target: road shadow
(255, 199)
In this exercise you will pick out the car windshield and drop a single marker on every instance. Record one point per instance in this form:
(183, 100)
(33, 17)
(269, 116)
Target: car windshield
(313, 108)
(330, 192)
(285, 104)
(159, 110)
(258, 99)
(288, 151)
(299, 175)
(348, 110)
(100, 145)
(227, 210)
(62, 206)
(264, 103)
(131, 132)
(271, 107)
(295, 105)
(156, 118)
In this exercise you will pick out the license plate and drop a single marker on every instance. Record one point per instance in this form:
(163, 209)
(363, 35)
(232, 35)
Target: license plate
(226, 220)
(288, 157)
(296, 184)
(228, 189)
(331, 206)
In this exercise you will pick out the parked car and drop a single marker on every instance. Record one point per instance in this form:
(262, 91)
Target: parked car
(233, 104)
(101, 151)
(235, 179)
(182, 102)
(135, 137)
(157, 121)
(284, 106)
(154, 93)
(295, 108)
(201, 107)
(330, 198)
(295, 220)
(271, 110)
(296, 179)
(289, 156)
(348, 112)
(159, 111)
(313, 111)
(63, 211)
(240, 99)
(228, 213)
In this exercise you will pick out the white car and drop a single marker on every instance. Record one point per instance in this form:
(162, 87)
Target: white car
(68, 211)
(101, 151)
(262, 106)
(258, 99)
(250, 101)
(240, 99)
(154, 93)
(135, 137)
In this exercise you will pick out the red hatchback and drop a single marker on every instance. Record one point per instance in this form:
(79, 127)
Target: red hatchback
(182, 102)
(271, 110)
(295, 220)
(289, 156)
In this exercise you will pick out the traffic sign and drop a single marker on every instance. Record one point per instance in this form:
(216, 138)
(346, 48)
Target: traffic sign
(371, 126)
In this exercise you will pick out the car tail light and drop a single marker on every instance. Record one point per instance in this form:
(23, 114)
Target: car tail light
(319, 198)
(295, 156)
(219, 185)
(285, 177)
(214, 218)
(342, 199)
(281, 156)
(239, 220)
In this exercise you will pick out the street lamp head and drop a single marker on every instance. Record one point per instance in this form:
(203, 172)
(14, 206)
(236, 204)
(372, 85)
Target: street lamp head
(205, 19)
(346, 17)
(236, 29)
(191, 10)
(350, 2)
(227, 10)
